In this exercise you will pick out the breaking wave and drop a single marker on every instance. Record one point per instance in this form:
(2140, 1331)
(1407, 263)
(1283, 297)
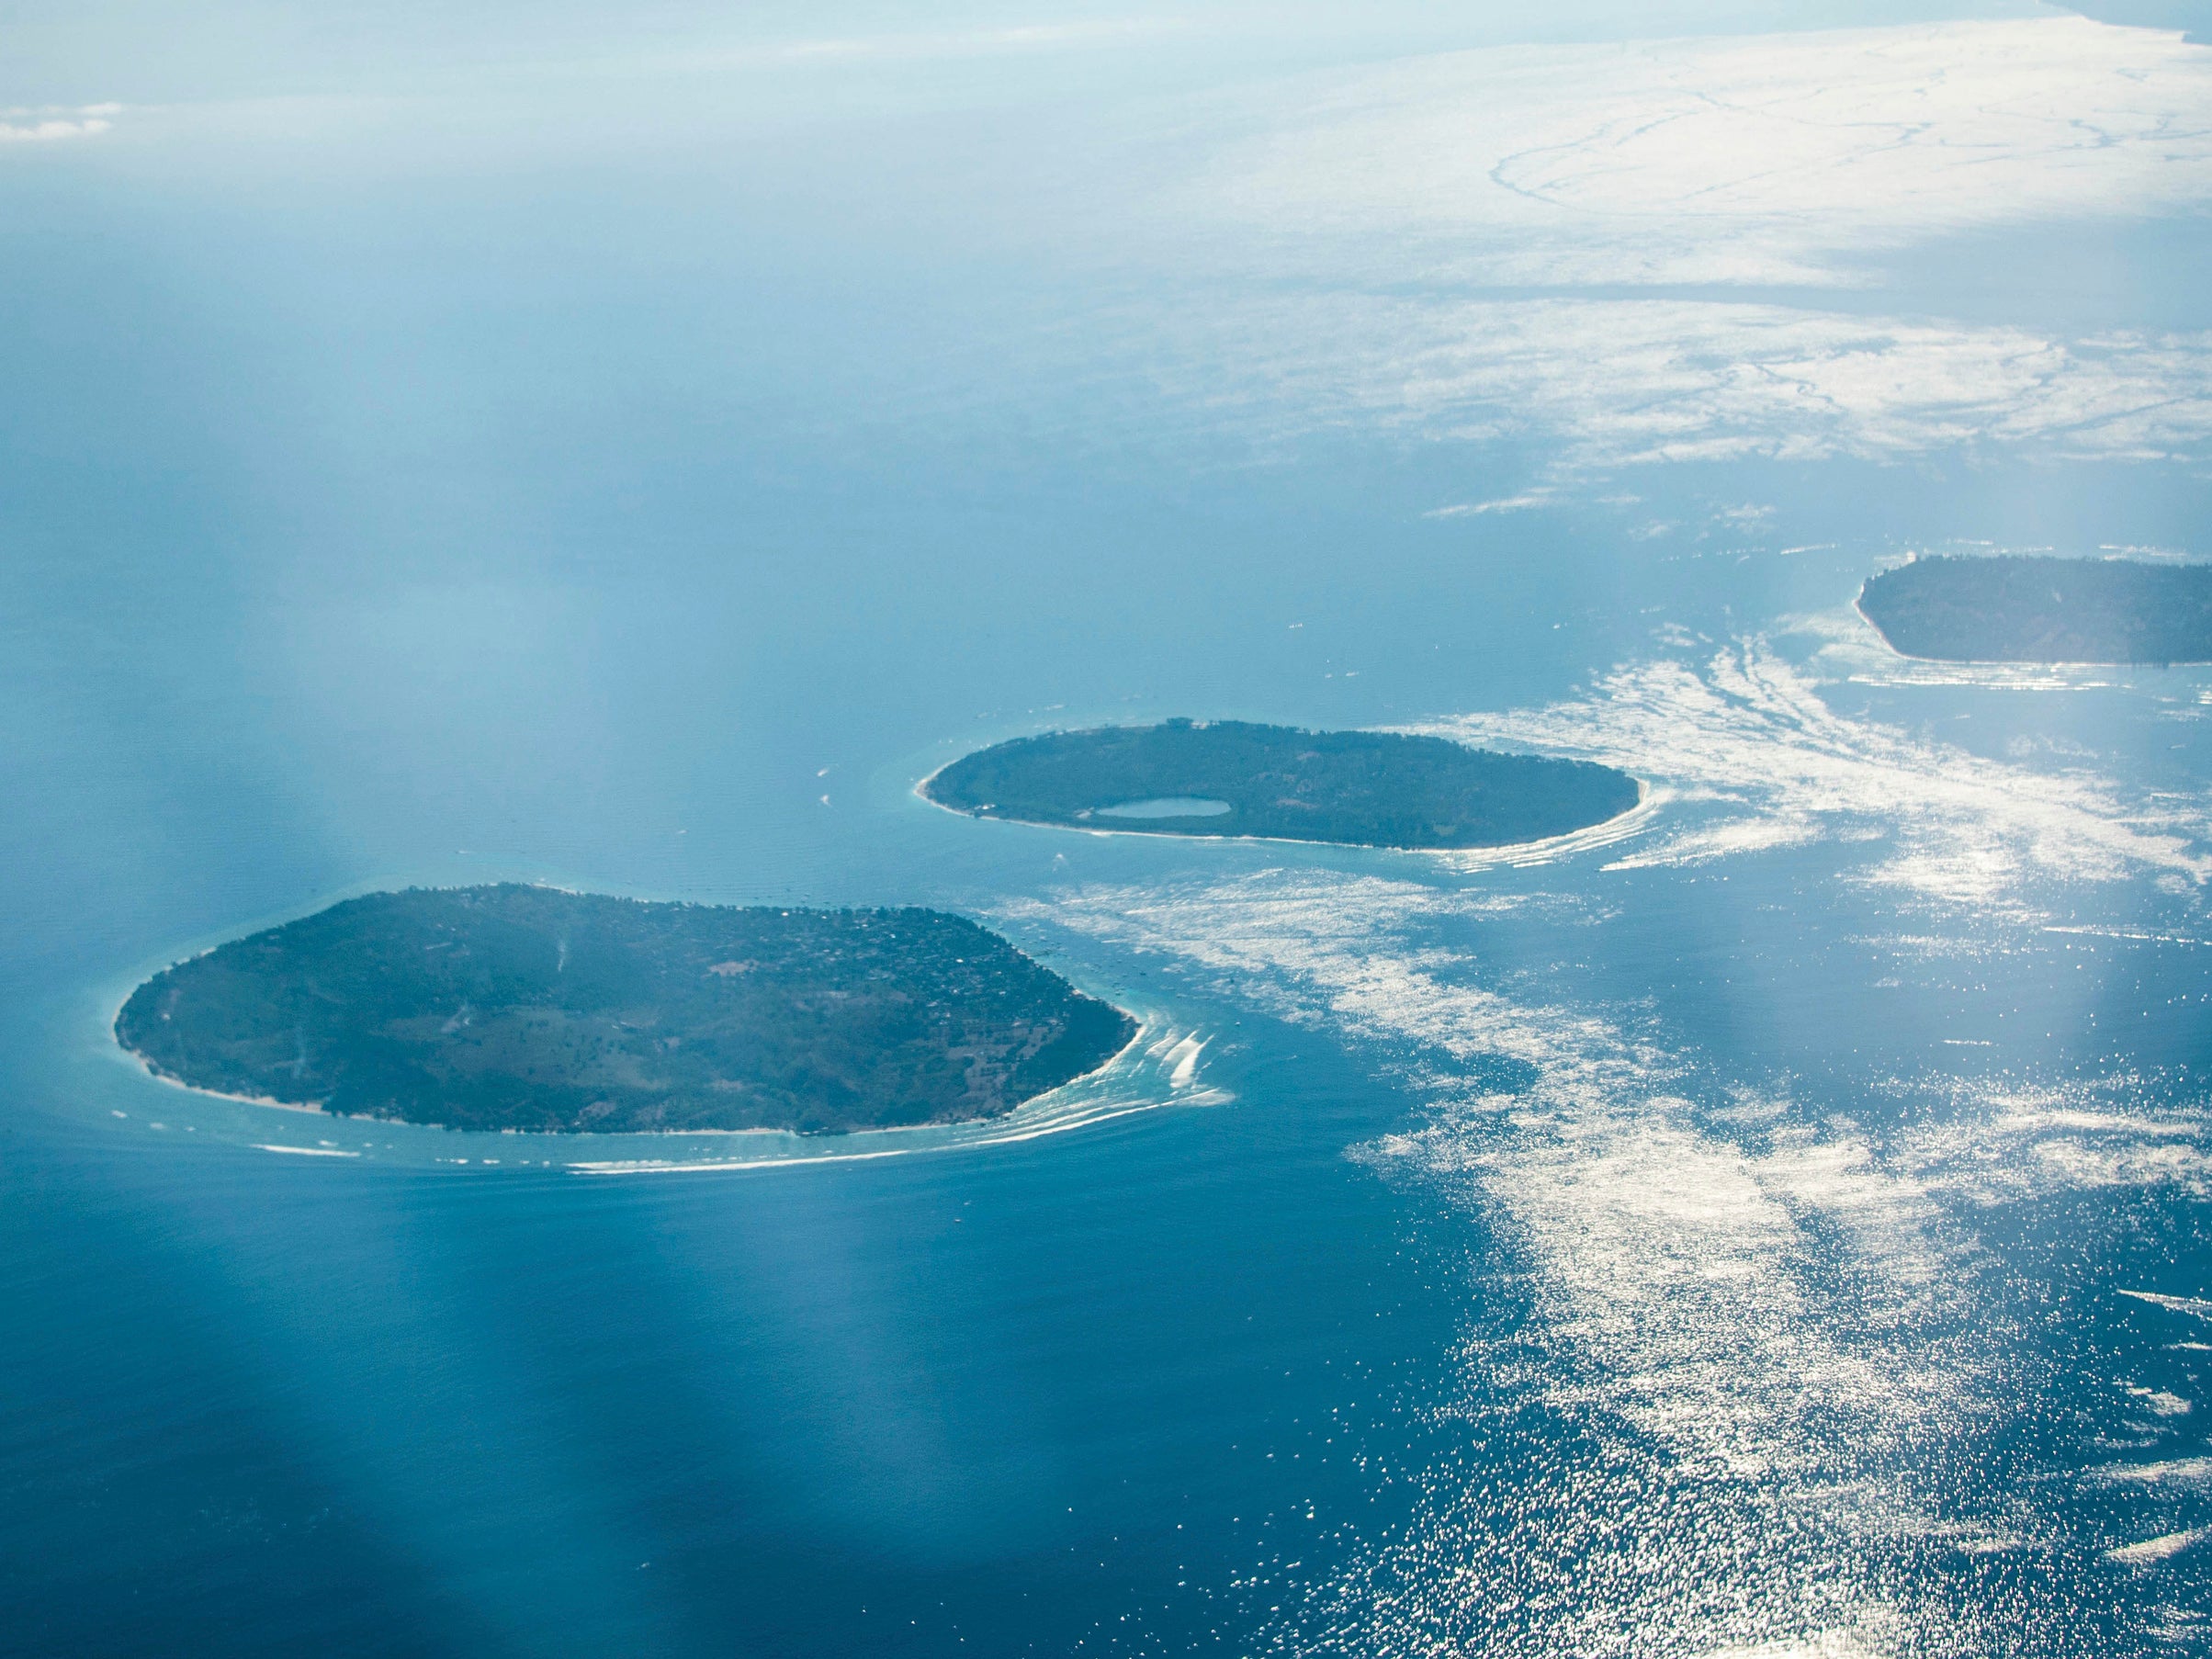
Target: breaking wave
(1158, 1067)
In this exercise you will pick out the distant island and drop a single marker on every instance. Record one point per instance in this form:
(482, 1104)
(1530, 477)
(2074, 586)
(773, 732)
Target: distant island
(2021, 609)
(1232, 778)
(524, 1008)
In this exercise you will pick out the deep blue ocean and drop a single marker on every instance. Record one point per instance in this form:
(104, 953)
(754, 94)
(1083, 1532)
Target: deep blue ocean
(1773, 1225)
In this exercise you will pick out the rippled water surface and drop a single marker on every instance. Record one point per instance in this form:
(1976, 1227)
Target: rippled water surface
(1773, 1223)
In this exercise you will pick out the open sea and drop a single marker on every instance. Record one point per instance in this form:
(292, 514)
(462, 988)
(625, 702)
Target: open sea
(1777, 1224)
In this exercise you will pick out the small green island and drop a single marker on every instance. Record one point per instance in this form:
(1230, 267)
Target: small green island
(2016, 608)
(527, 1008)
(1234, 778)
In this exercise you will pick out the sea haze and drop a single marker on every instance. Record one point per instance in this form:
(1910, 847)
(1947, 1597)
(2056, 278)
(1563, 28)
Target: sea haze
(1772, 1223)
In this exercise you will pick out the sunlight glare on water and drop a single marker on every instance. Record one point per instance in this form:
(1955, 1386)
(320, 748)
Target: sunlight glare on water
(631, 453)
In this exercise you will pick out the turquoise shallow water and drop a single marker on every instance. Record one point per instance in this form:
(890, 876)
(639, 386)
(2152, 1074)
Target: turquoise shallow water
(1774, 1225)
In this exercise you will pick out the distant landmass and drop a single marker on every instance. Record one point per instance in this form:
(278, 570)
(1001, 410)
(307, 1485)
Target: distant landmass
(524, 1008)
(2023, 609)
(1232, 778)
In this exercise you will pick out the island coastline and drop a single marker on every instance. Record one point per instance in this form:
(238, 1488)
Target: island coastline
(1859, 609)
(1503, 851)
(976, 1030)
(1145, 1028)
(2017, 610)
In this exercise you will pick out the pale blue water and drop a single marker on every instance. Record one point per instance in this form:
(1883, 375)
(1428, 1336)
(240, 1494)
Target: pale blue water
(1717, 1234)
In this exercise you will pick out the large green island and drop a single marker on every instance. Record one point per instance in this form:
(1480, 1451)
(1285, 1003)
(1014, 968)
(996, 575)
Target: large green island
(2016, 608)
(1232, 778)
(527, 1008)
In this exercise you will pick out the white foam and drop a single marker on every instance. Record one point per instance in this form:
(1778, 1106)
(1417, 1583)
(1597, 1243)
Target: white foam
(2160, 1401)
(1185, 1056)
(1750, 1325)
(1158, 1067)
(2152, 1550)
(2176, 1472)
(1665, 1264)
(2180, 1304)
(2000, 1142)
(1826, 1644)
(1745, 745)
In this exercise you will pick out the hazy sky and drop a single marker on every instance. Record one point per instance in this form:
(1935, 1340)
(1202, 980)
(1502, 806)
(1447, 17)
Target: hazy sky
(1673, 246)
(72, 51)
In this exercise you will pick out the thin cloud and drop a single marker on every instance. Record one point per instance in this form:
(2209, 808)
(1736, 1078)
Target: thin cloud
(1510, 504)
(1401, 198)
(1622, 381)
(1766, 158)
(968, 43)
(51, 123)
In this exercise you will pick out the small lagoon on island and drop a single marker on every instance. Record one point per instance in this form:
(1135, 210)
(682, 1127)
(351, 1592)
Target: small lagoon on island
(1177, 806)
(1278, 783)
